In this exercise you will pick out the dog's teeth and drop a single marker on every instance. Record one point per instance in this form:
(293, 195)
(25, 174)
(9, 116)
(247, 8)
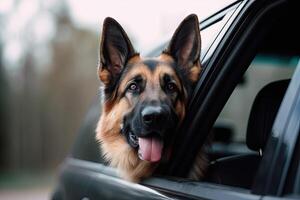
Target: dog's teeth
(133, 139)
(121, 126)
(140, 155)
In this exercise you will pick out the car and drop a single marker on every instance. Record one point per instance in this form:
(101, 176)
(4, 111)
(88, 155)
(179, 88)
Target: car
(246, 103)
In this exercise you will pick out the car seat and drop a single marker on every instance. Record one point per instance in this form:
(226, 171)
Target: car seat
(240, 170)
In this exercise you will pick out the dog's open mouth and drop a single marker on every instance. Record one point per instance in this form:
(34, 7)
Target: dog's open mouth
(149, 149)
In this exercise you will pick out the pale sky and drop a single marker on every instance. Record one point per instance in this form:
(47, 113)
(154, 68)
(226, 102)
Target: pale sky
(148, 23)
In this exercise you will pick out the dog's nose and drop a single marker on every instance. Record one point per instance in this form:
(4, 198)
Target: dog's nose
(152, 115)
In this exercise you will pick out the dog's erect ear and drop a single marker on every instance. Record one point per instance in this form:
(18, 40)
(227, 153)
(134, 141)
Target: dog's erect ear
(185, 44)
(115, 50)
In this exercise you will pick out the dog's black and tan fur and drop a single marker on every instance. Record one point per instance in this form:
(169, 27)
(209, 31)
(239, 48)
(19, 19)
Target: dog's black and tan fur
(144, 99)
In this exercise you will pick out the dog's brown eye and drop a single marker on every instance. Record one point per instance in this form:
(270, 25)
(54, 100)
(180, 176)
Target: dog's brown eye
(171, 87)
(133, 87)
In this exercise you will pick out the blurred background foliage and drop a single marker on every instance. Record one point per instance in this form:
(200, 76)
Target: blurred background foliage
(47, 81)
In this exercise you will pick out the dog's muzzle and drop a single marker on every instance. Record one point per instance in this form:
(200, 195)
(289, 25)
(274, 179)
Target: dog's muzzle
(146, 129)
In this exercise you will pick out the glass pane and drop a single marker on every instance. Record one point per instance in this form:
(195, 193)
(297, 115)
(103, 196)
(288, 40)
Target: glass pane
(263, 70)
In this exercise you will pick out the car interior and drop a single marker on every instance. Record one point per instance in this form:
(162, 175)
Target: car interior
(239, 144)
(239, 170)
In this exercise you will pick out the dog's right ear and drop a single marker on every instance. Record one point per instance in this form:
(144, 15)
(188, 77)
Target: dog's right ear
(115, 50)
(185, 47)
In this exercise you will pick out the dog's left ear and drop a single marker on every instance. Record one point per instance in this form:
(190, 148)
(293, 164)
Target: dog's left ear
(115, 50)
(185, 46)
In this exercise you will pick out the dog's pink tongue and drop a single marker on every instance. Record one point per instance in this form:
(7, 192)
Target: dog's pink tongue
(150, 149)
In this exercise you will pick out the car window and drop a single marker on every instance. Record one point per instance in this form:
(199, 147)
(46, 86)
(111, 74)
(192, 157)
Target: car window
(262, 70)
(234, 143)
(209, 34)
(230, 128)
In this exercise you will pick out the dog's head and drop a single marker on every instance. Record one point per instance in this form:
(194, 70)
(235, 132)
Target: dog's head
(146, 98)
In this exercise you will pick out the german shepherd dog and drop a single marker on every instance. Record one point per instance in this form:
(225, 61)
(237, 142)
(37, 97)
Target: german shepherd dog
(144, 99)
